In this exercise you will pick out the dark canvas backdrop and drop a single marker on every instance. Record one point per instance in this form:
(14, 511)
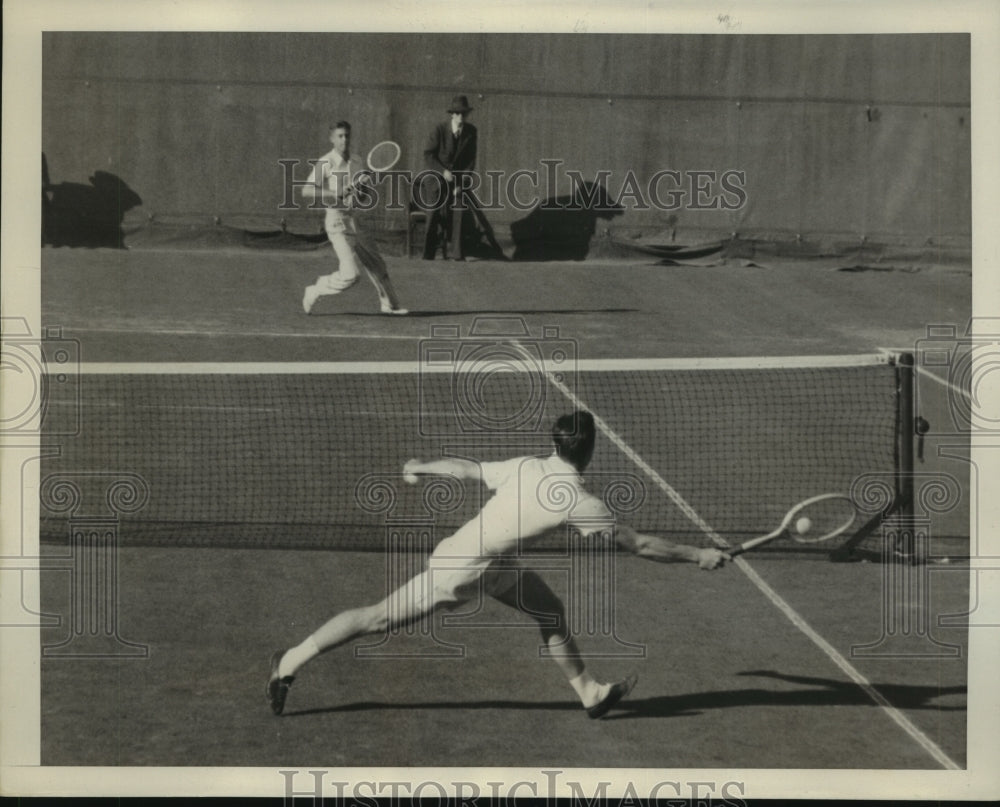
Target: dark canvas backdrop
(840, 136)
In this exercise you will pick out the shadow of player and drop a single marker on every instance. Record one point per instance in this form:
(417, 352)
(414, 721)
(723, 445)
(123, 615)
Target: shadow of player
(78, 215)
(561, 227)
(820, 692)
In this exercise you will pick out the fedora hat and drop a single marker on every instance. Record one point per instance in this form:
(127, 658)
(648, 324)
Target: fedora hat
(460, 104)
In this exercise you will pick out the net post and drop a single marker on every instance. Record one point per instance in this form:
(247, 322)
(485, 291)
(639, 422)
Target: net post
(901, 505)
(906, 545)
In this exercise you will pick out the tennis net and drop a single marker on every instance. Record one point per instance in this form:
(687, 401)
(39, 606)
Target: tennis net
(302, 455)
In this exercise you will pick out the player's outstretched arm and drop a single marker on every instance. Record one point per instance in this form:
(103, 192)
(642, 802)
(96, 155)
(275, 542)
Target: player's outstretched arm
(463, 469)
(652, 547)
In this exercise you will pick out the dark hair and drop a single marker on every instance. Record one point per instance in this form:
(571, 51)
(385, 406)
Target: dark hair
(574, 435)
(341, 124)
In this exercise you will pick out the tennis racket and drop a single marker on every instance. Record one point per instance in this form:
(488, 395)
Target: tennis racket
(812, 520)
(382, 157)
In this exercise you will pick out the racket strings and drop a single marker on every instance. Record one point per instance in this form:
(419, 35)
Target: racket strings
(821, 520)
(383, 156)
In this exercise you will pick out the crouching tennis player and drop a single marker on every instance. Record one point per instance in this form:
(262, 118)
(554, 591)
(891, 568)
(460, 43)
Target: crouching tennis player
(532, 495)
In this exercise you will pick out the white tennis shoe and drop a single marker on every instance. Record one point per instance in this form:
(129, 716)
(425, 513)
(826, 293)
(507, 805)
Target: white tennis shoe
(309, 298)
(618, 691)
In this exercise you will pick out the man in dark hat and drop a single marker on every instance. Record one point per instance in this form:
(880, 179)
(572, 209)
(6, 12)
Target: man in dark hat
(450, 157)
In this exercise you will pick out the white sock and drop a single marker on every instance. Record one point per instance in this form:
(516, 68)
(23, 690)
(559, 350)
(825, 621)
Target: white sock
(297, 656)
(588, 689)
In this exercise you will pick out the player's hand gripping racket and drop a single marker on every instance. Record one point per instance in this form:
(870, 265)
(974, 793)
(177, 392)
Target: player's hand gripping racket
(812, 520)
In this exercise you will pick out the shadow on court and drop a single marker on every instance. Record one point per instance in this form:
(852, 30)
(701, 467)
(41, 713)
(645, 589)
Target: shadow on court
(374, 706)
(198, 699)
(485, 311)
(155, 304)
(823, 692)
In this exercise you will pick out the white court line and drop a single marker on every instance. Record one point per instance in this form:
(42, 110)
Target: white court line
(237, 334)
(243, 408)
(533, 365)
(944, 382)
(794, 617)
(928, 374)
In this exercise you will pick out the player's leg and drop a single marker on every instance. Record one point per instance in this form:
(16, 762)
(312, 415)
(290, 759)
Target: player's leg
(345, 276)
(378, 273)
(410, 603)
(347, 271)
(533, 596)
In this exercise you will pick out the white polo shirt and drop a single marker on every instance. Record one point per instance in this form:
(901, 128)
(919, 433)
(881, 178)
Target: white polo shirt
(333, 173)
(532, 495)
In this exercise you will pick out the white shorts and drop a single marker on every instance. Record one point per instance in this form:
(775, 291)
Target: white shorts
(448, 582)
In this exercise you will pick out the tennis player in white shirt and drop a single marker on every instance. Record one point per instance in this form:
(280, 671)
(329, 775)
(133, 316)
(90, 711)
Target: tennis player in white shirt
(531, 496)
(331, 182)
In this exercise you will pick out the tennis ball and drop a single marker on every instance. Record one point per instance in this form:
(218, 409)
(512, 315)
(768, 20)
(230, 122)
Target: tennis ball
(803, 525)
(410, 479)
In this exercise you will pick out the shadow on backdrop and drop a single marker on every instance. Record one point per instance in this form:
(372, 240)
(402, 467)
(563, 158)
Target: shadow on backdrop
(561, 227)
(78, 215)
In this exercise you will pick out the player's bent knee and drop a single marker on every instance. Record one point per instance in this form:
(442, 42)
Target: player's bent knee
(553, 623)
